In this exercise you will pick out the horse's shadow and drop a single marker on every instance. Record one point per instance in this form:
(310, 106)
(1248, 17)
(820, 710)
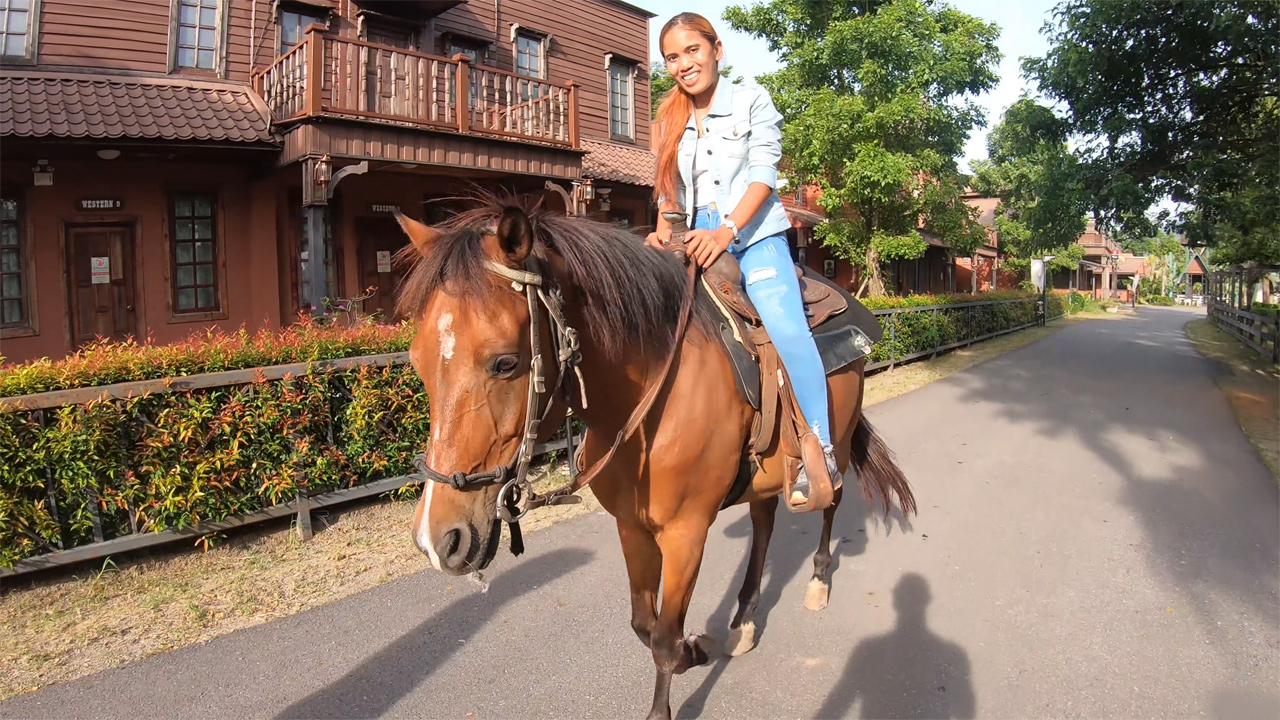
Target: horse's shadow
(791, 550)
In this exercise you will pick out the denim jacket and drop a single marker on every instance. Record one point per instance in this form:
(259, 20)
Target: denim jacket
(744, 140)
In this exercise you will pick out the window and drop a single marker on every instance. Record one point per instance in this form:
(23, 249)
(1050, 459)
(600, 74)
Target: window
(453, 48)
(17, 28)
(622, 101)
(195, 277)
(197, 27)
(293, 25)
(529, 55)
(13, 302)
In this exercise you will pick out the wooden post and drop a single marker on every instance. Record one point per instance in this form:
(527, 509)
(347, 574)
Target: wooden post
(462, 93)
(313, 75)
(573, 114)
(94, 516)
(1275, 339)
(893, 340)
(304, 514)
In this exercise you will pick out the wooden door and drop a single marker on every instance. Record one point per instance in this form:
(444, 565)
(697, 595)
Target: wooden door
(380, 238)
(102, 283)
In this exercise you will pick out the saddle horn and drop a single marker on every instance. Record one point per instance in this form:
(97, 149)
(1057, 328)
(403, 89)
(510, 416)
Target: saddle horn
(679, 228)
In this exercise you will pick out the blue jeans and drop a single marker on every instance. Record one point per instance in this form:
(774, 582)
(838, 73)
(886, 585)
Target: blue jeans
(770, 280)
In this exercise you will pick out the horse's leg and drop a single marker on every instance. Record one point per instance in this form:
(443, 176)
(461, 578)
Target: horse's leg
(742, 631)
(644, 569)
(682, 546)
(815, 598)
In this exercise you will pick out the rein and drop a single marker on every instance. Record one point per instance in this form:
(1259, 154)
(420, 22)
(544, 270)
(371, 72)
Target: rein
(517, 496)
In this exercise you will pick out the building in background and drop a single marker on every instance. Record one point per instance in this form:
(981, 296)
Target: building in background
(168, 163)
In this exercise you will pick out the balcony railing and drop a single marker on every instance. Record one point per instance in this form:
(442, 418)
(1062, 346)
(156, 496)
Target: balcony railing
(378, 82)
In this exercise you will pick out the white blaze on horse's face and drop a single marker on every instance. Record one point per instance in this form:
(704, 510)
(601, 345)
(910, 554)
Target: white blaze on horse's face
(445, 328)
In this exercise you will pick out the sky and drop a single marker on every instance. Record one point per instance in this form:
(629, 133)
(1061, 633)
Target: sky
(1019, 21)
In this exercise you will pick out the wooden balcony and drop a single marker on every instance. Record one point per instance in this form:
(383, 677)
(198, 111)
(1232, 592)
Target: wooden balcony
(385, 84)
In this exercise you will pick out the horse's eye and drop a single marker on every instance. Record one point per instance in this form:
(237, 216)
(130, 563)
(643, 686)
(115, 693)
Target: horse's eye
(503, 365)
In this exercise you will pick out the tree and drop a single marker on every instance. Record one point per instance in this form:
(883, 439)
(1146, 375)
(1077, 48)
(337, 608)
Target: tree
(1042, 197)
(1174, 99)
(660, 81)
(877, 101)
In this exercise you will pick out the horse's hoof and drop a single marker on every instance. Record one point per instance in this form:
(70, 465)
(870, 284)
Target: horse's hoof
(701, 648)
(742, 640)
(815, 598)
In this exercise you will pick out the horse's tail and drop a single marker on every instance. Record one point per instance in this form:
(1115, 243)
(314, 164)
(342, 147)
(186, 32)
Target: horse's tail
(878, 471)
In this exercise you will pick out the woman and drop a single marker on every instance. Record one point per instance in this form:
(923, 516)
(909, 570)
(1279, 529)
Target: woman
(718, 154)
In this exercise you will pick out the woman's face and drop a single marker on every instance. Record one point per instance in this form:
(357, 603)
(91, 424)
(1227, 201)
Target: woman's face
(691, 59)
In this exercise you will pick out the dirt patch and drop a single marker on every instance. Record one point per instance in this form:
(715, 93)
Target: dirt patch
(64, 626)
(1251, 384)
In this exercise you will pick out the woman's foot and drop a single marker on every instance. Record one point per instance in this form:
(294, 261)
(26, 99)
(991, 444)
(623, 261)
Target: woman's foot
(800, 491)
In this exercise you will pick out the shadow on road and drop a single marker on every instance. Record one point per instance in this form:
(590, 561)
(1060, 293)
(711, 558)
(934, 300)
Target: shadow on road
(906, 673)
(1208, 510)
(790, 560)
(372, 688)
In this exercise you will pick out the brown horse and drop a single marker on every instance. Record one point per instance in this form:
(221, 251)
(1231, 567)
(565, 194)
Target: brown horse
(471, 294)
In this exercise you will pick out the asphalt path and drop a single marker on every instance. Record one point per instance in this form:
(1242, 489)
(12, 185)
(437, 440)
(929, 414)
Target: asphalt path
(1096, 538)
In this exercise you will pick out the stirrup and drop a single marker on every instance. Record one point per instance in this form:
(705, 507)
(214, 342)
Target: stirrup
(805, 494)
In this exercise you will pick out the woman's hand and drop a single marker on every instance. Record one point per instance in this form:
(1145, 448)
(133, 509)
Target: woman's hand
(659, 238)
(704, 246)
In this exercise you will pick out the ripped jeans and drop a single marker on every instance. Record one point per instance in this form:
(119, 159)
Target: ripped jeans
(769, 277)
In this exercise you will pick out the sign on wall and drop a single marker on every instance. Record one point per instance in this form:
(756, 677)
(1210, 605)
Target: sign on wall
(384, 261)
(382, 208)
(102, 204)
(829, 268)
(100, 270)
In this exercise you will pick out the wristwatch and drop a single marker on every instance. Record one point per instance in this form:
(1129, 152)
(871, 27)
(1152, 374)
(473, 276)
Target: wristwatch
(733, 226)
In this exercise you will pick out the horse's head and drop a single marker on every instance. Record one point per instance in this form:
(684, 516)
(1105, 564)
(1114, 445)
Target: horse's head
(471, 349)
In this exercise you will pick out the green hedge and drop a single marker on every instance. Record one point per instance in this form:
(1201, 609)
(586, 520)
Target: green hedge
(169, 461)
(172, 460)
(907, 333)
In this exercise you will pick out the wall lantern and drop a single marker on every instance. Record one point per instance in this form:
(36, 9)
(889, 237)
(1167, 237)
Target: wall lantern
(108, 153)
(42, 173)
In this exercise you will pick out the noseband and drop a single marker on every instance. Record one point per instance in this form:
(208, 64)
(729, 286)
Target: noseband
(517, 496)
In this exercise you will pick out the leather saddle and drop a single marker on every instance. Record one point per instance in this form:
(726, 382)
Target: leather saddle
(842, 327)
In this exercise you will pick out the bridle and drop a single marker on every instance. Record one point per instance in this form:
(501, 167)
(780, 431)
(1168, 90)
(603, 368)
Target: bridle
(517, 497)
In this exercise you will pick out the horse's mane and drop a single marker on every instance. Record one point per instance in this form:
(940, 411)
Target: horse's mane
(632, 292)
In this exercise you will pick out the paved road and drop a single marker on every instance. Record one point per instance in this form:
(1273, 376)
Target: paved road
(1096, 539)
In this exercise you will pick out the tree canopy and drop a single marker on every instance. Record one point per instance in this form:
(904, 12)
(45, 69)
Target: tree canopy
(1177, 99)
(877, 98)
(1043, 201)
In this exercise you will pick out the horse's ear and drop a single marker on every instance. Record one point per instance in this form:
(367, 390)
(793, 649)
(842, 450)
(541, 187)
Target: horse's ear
(421, 235)
(515, 232)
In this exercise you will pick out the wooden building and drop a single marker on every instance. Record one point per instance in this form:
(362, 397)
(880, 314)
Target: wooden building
(166, 163)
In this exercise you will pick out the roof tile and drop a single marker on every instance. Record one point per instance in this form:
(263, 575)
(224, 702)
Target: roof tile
(619, 163)
(40, 104)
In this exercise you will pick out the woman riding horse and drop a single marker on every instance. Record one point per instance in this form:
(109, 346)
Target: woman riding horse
(521, 315)
(718, 154)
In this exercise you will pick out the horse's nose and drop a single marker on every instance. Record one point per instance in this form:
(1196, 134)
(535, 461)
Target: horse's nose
(454, 548)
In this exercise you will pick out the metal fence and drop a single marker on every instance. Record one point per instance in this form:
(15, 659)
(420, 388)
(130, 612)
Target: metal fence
(910, 333)
(301, 506)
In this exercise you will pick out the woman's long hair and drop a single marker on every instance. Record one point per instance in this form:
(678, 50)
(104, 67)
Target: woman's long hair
(673, 113)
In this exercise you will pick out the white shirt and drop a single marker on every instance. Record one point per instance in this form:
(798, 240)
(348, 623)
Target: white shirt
(704, 189)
